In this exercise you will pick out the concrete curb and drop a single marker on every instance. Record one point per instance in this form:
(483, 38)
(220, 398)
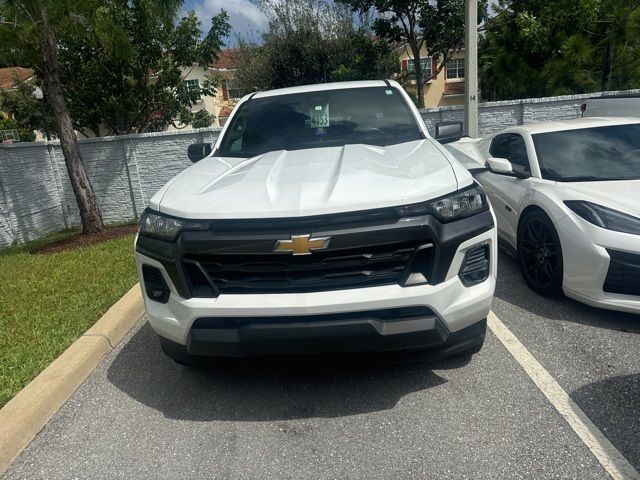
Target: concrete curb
(28, 412)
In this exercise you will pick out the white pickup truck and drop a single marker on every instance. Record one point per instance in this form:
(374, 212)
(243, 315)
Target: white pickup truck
(324, 219)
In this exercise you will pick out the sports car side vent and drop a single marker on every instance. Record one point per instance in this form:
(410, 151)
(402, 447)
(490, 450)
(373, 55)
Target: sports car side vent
(623, 276)
(154, 284)
(475, 266)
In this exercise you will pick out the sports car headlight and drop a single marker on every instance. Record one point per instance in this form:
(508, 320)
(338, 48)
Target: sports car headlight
(605, 217)
(166, 227)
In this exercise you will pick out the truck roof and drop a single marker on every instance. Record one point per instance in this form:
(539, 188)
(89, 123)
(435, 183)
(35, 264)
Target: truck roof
(321, 87)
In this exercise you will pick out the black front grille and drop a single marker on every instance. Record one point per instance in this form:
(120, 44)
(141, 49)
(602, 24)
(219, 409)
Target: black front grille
(623, 276)
(284, 273)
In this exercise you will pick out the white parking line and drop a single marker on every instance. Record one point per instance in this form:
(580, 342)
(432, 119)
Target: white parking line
(609, 457)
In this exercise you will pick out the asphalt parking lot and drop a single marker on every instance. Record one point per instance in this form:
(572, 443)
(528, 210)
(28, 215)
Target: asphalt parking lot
(139, 415)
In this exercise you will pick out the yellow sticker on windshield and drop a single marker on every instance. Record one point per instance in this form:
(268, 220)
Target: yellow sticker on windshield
(319, 116)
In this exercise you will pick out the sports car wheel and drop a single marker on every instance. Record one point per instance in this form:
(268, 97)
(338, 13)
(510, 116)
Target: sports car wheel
(540, 254)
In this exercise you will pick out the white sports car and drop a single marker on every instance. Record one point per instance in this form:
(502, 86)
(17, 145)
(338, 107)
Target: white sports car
(566, 196)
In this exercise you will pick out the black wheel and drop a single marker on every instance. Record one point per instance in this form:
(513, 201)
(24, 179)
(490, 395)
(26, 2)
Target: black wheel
(540, 254)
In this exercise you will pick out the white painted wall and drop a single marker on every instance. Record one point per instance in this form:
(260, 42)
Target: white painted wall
(36, 196)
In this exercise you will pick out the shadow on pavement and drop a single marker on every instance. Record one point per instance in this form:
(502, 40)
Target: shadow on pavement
(266, 390)
(512, 289)
(613, 405)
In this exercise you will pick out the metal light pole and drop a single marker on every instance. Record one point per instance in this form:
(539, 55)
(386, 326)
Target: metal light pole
(471, 68)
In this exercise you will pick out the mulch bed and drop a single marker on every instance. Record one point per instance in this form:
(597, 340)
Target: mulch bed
(81, 240)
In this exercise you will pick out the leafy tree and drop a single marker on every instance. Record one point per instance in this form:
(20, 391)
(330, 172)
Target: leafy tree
(28, 113)
(437, 26)
(554, 47)
(29, 32)
(118, 62)
(202, 119)
(359, 57)
(127, 74)
(6, 123)
(310, 41)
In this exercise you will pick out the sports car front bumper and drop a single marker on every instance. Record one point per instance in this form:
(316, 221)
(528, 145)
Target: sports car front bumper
(601, 267)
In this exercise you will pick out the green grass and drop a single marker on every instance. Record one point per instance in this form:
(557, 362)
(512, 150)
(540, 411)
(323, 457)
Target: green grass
(49, 300)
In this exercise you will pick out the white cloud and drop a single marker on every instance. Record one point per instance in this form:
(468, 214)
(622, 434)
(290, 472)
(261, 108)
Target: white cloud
(245, 16)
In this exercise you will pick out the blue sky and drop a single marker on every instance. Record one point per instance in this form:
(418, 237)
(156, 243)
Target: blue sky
(244, 15)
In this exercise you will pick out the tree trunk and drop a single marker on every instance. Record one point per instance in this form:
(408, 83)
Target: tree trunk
(82, 188)
(417, 70)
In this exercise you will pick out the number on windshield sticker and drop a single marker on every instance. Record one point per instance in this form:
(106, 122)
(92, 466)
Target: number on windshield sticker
(319, 116)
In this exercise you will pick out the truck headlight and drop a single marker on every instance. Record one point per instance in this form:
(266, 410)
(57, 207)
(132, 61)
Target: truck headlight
(605, 217)
(166, 227)
(461, 204)
(457, 205)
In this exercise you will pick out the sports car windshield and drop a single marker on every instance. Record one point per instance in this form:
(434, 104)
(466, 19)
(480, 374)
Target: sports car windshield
(374, 116)
(590, 154)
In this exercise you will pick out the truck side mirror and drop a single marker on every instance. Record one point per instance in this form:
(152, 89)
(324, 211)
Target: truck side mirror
(447, 132)
(198, 151)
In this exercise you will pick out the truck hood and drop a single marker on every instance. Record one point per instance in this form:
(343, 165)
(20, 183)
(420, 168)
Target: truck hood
(309, 182)
(621, 195)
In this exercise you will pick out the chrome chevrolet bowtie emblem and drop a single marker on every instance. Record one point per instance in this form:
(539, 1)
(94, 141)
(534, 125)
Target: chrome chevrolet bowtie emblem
(301, 244)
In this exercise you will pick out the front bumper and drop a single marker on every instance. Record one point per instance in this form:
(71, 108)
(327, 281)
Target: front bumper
(346, 334)
(288, 322)
(587, 252)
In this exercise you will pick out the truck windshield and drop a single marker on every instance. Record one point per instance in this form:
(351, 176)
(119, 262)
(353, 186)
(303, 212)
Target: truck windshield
(590, 154)
(369, 115)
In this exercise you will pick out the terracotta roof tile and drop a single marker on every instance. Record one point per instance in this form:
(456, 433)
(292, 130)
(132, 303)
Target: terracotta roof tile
(226, 59)
(7, 76)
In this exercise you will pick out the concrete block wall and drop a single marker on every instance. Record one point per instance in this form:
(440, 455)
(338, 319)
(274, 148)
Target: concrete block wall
(36, 196)
(30, 201)
(494, 116)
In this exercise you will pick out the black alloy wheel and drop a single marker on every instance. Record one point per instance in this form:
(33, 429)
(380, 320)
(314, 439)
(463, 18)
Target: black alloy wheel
(540, 254)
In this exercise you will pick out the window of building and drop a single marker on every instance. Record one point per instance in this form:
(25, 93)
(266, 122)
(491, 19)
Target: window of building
(193, 85)
(425, 63)
(232, 88)
(455, 68)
